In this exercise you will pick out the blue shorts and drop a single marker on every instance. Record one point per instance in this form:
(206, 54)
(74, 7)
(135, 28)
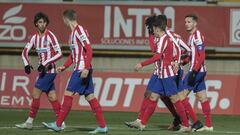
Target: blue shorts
(45, 82)
(164, 86)
(179, 80)
(199, 83)
(80, 85)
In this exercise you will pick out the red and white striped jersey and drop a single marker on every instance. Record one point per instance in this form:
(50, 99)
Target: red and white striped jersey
(47, 47)
(178, 45)
(162, 58)
(196, 42)
(81, 51)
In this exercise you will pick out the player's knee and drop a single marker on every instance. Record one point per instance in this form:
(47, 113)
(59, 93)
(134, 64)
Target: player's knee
(52, 97)
(89, 97)
(202, 96)
(153, 97)
(35, 95)
(174, 98)
(147, 94)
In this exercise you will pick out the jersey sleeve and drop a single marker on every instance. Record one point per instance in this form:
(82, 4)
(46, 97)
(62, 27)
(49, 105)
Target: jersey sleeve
(151, 43)
(26, 50)
(56, 47)
(184, 45)
(176, 53)
(200, 50)
(160, 49)
(83, 38)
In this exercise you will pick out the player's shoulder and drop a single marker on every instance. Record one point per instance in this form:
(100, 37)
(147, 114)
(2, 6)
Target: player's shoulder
(50, 33)
(33, 37)
(198, 34)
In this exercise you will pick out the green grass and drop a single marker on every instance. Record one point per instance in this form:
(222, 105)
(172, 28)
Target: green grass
(79, 123)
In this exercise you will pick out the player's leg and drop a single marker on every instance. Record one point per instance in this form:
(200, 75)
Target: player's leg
(142, 110)
(189, 110)
(177, 120)
(65, 108)
(64, 111)
(150, 108)
(171, 90)
(98, 113)
(182, 112)
(202, 97)
(73, 87)
(133, 124)
(36, 94)
(200, 90)
(52, 97)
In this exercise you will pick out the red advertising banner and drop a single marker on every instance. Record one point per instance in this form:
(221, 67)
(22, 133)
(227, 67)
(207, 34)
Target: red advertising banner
(123, 24)
(117, 91)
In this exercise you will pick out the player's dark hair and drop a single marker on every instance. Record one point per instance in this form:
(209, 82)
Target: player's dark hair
(39, 16)
(70, 14)
(161, 22)
(193, 16)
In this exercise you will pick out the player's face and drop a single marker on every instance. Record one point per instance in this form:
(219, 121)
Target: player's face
(41, 25)
(190, 24)
(157, 31)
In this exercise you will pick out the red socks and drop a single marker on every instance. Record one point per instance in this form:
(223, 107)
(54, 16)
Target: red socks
(207, 113)
(66, 107)
(181, 111)
(167, 101)
(189, 109)
(97, 111)
(34, 108)
(143, 108)
(56, 107)
(150, 107)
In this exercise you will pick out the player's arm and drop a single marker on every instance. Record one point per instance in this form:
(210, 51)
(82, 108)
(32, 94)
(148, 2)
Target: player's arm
(152, 44)
(156, 57)
(185, 54)
(176, 53)
(56, 48)
(83, 40)
(67, 63)
(25, 59)
(200, 52)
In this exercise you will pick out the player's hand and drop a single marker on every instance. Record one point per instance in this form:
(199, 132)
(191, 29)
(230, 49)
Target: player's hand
(84, 73)
(175, 66)
(41, 68)
(61, 69)
(28, 69)
(192, 78)
(149, 24)
(138, 67)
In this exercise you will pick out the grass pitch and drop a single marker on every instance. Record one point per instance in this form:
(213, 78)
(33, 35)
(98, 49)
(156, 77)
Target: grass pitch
(80, 122)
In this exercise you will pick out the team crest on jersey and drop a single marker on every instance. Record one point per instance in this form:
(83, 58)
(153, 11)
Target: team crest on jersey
(83, 37)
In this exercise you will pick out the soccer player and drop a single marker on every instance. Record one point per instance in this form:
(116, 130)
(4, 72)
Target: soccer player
(194, 80)
(81, 80)
(178, 44)
(163, 80)
(166, 100)
(49, 51)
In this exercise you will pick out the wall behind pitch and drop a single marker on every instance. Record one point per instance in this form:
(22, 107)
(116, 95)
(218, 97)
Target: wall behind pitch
(120, 24)
(116, 91)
